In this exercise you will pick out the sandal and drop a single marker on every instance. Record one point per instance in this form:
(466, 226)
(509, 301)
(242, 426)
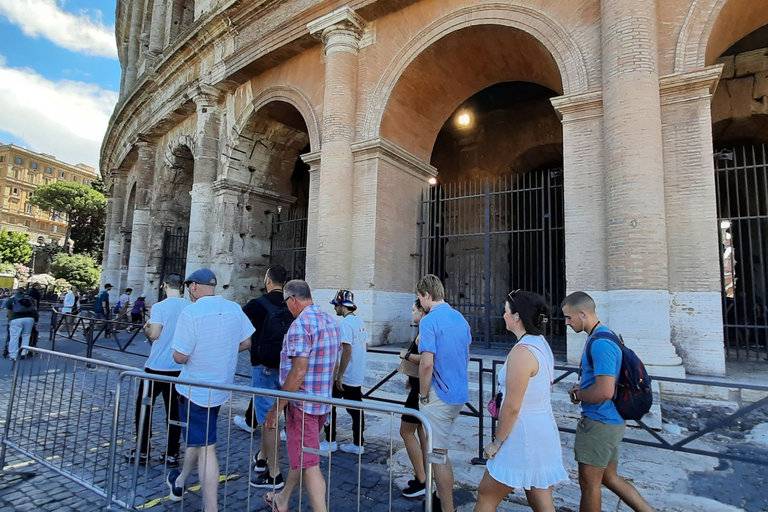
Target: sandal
(270, 499)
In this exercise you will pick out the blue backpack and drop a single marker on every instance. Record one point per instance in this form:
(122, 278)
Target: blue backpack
(633, 397)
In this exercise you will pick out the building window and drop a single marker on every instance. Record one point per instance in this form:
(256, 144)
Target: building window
(48, 170)
(46, 181)
(15, 191)
(18, 160)
(30, 193)
(29, 208)
(2, 158)
(86, 182)
(11, 220)
(62, 175)
(16, 173)
(55, 229)
(34, 165)
(74, 178)
(27, 223)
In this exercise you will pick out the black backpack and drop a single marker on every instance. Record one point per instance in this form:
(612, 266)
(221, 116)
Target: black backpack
(24, 305)
(270, 342)
(633, 397)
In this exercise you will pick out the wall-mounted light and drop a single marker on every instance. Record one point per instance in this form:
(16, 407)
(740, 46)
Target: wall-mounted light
(464, 119)
(433, 181)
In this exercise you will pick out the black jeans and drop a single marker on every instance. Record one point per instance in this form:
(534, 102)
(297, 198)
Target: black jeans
(171, 401)
(358, 421)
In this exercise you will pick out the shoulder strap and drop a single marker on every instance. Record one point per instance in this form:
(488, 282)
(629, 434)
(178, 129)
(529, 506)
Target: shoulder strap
(271, 308)
(604, 335)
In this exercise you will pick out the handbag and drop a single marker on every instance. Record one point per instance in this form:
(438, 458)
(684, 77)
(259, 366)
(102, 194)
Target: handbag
(409, 368)
(494, 406)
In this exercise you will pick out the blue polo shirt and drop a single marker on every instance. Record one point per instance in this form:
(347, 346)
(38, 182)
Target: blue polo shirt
(98, 305)
(606, 356)
(446, 334)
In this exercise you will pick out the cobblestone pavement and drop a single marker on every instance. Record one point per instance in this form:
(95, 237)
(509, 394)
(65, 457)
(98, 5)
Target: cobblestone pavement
(670, 481)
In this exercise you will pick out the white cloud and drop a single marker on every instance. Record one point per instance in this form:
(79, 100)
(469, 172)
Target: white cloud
(45, 18)
(67, 119)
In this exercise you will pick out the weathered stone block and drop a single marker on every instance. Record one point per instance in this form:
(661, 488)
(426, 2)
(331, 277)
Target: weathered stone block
(729, 67)
(749, 63)
(760, 89)
(740, 92)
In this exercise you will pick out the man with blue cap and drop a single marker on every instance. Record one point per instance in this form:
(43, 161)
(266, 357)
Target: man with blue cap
(209, 334)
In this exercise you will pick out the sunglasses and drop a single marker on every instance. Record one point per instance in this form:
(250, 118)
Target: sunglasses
(285, 299)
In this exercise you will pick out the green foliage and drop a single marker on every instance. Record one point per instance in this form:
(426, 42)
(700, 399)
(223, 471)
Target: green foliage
(7, 269)
(99, 186)
(14, 247)
(84, 208)
(78, 269)
(50, 248)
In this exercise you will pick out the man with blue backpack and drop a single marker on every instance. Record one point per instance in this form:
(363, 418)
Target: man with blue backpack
(23, 315)
(271, 318)
(610, 374)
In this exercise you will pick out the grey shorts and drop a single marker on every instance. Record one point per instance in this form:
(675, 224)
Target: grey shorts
(441, 416)
(597, 443)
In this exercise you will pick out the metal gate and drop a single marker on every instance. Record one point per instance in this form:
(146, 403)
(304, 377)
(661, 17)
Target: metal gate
(486, 238)
(288, 241)
(174, 260)
(742, 209)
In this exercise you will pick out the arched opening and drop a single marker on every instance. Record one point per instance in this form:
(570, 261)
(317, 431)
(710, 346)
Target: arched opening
(740, 134)
(267, 157)
(182, 16)
(476, 105)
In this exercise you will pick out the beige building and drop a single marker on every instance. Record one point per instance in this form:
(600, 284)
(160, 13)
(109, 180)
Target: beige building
(551, 146)
(21, 172)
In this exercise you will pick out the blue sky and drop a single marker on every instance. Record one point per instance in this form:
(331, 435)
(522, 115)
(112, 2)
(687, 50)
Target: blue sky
(59, 75)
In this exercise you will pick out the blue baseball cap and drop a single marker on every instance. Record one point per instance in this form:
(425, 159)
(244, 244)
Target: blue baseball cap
(202, 276)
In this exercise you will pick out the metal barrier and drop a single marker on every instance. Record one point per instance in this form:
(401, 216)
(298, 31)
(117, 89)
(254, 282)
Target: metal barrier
(93, 332)
(57, 410)
(77, 418)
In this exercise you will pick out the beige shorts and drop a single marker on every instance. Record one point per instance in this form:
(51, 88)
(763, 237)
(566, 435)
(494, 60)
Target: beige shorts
(597, 443)
(441, 416)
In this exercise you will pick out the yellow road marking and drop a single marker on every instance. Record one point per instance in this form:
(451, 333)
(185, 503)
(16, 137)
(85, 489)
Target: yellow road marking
(156, 501)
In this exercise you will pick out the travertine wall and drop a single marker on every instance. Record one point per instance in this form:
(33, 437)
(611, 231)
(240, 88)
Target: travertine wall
(374, 81)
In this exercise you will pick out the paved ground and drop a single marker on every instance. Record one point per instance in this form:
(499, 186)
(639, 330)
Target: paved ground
(670, 481)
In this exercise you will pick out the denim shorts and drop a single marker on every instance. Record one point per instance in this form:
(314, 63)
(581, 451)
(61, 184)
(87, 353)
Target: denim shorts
(200, 429)
(265, 378)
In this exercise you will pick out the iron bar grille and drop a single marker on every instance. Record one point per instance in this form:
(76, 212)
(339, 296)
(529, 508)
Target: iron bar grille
(175, 241)
(288, 242)
(742, 211)
(486, 238)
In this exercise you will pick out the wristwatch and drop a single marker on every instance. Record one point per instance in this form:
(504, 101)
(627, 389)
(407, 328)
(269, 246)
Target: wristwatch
(424, 399)
(407, 356)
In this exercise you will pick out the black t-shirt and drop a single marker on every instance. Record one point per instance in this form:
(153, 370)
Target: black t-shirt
(257, 314)
(35, 295)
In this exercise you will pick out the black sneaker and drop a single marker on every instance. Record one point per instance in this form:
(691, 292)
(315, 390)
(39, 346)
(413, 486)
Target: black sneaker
(176, 491)
(259, 465)
(265, 480)
(171, 461)
(130, 457)
(414, 489)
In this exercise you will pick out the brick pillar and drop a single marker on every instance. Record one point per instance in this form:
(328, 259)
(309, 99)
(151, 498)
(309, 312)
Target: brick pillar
(689, 183)
(157, 29)
(113, 238)
(206, 153)
(586, 250)
(340, 32)
(134, 46)
(634, 180)
(137, 264)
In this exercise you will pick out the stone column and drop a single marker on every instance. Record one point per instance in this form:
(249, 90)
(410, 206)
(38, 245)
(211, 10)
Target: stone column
(584, 189)
(157, 29)
(340, 32)
(636, 220)
(137, 264)
(134, 46)
(206, 154)
(113, 238)
(696, 314)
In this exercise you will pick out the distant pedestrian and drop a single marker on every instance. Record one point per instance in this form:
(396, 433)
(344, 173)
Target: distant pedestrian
(601, 428)
(444, 338)
(34, 293)
(71, 307)
(22, 315)
(411, 429)
(350, 373)
(271, 318)
(160, 329)
(101, 309)
(137, 313)
(526, 450)
(308, 359)
(208, 336)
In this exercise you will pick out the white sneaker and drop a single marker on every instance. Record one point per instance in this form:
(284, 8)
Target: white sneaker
(325, 448)
(283, 437)
(240, 422)
(352, 448)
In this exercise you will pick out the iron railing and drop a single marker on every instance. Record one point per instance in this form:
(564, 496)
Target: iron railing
(288, 241)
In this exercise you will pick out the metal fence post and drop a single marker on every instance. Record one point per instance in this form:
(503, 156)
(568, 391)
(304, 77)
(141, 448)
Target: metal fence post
(487, 263)
(8, 413)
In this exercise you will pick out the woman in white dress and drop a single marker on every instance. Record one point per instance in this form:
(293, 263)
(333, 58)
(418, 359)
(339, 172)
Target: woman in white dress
(526, 452)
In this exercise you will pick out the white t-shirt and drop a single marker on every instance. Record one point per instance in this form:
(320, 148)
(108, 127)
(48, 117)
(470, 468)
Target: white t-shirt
(353, 333)
(165, 313)
(69, 302)
(124, 299)
(209, 332)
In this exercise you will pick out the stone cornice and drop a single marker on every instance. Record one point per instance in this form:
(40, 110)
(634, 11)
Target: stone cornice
(339, 30)
(394, 154)
(685, 87)
(226, 185)
(312, 160)
(579, 107)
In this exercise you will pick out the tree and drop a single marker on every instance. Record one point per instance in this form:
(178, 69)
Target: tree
(78, 269)
(85, 209)
(14, 247)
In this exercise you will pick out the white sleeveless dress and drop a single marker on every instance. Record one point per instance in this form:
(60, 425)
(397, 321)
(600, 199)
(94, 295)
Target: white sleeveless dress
(531, 455)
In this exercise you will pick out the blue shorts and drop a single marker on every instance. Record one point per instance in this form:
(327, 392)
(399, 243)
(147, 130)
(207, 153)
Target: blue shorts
(200, 429)
(265, 378)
